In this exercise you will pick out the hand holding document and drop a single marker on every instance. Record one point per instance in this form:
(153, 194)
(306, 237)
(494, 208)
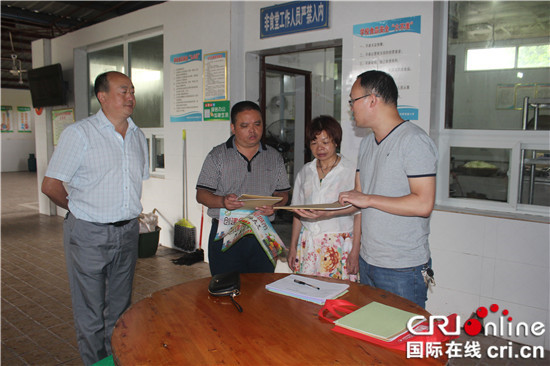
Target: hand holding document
(308, 289)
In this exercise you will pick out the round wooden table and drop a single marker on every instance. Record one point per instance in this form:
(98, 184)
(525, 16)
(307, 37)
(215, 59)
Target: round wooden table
(185, 325)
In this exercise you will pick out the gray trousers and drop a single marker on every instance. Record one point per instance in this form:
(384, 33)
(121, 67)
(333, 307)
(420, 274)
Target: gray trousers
(101, 260)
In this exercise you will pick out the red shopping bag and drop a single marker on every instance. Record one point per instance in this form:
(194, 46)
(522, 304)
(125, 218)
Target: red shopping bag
(335, 309)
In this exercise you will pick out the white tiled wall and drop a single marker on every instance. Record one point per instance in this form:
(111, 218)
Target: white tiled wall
(480, 260)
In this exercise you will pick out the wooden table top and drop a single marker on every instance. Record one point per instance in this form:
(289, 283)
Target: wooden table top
(185, 325)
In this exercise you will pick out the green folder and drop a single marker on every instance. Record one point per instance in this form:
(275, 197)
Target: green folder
(378, 320)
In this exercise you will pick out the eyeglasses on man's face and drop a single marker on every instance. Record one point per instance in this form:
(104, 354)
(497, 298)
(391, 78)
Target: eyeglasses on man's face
(351, 101)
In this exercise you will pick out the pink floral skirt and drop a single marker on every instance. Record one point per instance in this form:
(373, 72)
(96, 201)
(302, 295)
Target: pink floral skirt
(324, 255)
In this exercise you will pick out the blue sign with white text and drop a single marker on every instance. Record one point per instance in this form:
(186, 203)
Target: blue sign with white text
(293, 17)
(387, 27)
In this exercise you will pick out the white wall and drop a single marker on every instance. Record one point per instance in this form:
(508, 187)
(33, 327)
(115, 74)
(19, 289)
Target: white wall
(16, 146)
(478, 260)
(481, 260)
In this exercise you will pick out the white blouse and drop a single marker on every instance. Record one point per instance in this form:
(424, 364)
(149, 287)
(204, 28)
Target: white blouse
(309, 190)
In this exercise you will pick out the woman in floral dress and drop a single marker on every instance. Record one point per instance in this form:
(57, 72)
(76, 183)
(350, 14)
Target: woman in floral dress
(325, 243)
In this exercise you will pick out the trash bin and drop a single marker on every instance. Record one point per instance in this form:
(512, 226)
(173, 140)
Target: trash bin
(148, 243)
(31, 163)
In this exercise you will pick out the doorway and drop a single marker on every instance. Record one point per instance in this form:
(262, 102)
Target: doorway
(287, 112)
(297, 85)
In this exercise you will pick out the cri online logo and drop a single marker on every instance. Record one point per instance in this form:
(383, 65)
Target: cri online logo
(473, 327)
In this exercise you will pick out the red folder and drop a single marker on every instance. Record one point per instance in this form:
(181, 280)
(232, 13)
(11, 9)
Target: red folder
(338, 308)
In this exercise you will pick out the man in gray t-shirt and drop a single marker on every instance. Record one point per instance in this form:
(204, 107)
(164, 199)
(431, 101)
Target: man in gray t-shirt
(395, 189)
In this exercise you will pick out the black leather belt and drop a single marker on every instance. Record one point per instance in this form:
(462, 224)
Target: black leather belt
(119, 223)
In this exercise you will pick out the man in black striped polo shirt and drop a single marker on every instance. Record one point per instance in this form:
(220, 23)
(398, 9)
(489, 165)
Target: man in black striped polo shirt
(241, 165)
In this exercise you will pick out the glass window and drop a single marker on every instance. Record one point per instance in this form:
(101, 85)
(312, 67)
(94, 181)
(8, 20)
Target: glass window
(534, 56)
(494, 141)
(145, 58)
(158, 153)
(479, 173)
(535, 178)
(109, 59)
(491, 58)
(497, 55)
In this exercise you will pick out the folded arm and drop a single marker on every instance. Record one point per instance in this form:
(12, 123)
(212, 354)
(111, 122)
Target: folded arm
(55, 190)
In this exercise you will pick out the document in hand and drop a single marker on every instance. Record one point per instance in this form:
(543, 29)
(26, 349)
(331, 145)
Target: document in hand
(252, 201)
(378, 320)
(308, 289)
(317, 206)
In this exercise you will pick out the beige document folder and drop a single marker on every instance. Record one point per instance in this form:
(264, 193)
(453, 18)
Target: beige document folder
(319, 206)
(252, 201)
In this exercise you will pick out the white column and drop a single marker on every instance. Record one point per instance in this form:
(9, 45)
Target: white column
(41, 56)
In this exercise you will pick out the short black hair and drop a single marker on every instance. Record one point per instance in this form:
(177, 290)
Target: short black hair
(381, 84)
(245, 105)
(328, 124)
(101, 83)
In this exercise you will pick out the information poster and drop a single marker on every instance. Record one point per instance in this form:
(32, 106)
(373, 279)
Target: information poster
(186, 88)
(392, 46)
(61, 118)
(7, 115)
(215, 76)
(216, 111)
(24, 114)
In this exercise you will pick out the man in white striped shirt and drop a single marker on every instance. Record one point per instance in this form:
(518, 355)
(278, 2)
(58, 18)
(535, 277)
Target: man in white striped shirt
(103, 160)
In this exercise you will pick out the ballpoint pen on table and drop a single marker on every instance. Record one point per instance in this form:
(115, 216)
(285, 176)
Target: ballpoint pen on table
(305, 283)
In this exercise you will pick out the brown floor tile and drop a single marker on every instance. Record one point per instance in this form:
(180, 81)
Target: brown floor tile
(73, 362)
(10, 358)
(19, 345)
(39, 357)
(9, 331)
(65, 332)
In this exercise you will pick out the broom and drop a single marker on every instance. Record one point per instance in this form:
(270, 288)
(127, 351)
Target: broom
(193, 257)
(184, 231)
